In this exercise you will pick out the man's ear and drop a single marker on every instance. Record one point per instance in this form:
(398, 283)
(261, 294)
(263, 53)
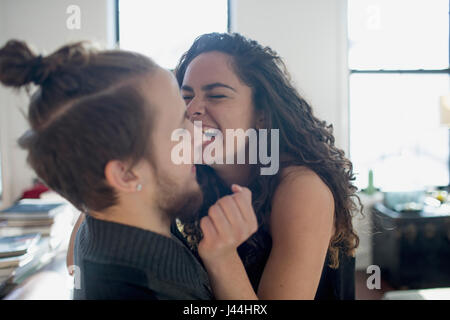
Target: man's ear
(120, 177)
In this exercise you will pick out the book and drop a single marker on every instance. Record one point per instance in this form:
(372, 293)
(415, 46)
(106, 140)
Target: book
(17, 231)
(27, 223)
(5, 278)
(43, 254)
(7, 272)
(15, 262)
(31, 210)
(17, 245)
(60, 223)
(24, 265)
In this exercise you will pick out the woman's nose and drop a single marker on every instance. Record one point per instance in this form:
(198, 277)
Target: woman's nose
(195, 109)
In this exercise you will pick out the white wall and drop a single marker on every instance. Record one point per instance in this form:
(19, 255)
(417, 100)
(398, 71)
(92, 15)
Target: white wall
(42, 23)
(311, 37)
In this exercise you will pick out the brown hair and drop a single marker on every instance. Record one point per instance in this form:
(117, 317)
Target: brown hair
(304, 139)
(86, 112)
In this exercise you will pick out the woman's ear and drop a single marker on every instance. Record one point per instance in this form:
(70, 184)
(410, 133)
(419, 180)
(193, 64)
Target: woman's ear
(120, 177)
(260, 119)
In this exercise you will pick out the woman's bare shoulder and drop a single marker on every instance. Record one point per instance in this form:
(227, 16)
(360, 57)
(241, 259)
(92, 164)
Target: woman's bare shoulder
(300, 175)
(301, 194)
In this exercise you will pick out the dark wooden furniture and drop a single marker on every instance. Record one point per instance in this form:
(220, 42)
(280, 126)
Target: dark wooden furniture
(412, 249)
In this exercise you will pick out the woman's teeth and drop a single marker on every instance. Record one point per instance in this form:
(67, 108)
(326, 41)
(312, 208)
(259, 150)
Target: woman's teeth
(211, 132)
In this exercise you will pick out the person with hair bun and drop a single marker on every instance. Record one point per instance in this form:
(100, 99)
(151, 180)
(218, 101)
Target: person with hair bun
(100, 135)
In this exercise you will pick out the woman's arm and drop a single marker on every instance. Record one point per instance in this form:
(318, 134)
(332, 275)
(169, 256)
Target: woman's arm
(301, 225)
(230, 222)
(70, 257)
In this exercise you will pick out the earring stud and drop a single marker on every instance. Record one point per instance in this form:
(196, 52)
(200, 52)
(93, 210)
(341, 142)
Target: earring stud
(139, 187)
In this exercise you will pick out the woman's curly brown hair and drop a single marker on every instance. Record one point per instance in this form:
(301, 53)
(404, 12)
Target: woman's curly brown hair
(304, 139)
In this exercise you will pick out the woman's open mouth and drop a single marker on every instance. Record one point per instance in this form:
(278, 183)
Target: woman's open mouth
(209, 135)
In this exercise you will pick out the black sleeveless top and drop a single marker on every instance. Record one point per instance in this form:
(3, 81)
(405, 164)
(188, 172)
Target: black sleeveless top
(335, 284)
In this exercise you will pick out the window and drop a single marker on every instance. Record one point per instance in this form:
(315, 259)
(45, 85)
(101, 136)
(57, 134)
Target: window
(164, 30)
(399, 68)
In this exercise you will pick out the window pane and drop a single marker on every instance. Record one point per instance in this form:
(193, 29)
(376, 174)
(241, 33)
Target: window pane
(398, 34)
(164, 30)
(395, 129)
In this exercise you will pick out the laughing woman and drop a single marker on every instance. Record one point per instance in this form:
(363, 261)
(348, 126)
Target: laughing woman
(304, 247)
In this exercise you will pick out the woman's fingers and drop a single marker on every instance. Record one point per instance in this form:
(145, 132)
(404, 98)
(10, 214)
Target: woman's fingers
(221, 223)
(245, 191)
(234, 216)
(230, 222)
(208, 228)
(236, 188)
(243, 200)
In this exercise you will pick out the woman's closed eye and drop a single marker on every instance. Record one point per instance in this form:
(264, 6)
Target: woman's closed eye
(217, 96)
(211, 96)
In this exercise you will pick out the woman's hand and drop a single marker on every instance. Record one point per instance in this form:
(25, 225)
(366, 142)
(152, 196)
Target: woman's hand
(230, 221)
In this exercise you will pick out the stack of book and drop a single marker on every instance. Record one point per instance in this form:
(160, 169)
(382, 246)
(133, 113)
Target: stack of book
(16, 252)
(31, 231)
(33, 216)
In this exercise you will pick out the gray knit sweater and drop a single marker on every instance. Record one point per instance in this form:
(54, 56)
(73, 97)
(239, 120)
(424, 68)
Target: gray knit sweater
(117, 261)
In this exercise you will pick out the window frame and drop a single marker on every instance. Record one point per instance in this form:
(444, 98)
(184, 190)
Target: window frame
(403, 71)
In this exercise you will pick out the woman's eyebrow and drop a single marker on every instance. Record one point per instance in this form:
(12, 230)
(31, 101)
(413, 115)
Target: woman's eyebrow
(209, 87)
(215, 85)
(187, 88)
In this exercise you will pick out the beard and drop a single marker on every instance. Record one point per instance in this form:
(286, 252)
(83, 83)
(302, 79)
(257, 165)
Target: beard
(179, 202)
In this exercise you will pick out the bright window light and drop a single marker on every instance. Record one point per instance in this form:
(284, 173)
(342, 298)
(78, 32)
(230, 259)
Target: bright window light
(164, 30)
(395, 129)
(398, 34)
(399, 62)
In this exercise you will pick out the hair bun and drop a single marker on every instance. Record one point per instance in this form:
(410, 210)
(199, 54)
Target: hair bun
(19, 66)
(37, 67)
